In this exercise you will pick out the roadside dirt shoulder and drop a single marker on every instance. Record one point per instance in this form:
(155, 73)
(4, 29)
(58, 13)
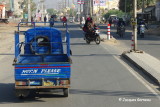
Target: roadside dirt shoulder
(7, 39)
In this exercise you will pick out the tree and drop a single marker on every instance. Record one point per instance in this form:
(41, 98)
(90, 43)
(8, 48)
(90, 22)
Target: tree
(52, 11)
(114, 12)
(24, 6)
(129, 4)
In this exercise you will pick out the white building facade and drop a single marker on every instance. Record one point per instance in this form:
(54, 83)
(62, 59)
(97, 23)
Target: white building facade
(17, 9)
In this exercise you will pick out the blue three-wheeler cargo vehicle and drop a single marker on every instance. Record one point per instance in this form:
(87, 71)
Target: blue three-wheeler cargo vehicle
(41, 62)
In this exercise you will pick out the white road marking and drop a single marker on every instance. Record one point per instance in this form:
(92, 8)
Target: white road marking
(135, 75)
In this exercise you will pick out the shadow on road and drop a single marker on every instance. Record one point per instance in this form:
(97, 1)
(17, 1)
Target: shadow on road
(97, 55)
(113, 93)
(6, 54)
(7, 95)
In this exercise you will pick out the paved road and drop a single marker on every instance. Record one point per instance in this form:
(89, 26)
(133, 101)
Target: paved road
(149, 44)
(99, 79)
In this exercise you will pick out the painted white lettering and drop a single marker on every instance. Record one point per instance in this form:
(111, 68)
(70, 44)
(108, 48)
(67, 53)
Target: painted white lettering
(33, 71)
(50, 71)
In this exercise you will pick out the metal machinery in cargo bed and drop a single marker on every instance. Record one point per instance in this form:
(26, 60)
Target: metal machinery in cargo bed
(41, 62)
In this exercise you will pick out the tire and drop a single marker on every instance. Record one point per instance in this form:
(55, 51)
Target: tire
(142, 35)
(22, 93)
(87, 40)
(6, 21)
(121, 34)
(70, 52)
(65, 92)
(98, 40)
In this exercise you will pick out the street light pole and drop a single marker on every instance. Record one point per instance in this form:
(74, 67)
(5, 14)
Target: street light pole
(125, 7)
(42, 10)
(143, 6)
(68, 3)
(108, 5)
(80, 15)
(29, 11)
(135, 26)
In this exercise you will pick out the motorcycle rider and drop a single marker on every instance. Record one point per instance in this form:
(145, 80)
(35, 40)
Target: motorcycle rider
(141, 22)
(89, 25)
(64, 20)
(120, 23)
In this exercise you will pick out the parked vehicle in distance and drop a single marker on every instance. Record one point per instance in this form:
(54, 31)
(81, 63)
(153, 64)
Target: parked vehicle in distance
(6, 21)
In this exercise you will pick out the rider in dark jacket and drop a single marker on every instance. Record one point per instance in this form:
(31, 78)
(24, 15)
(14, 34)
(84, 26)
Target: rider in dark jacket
(141, 22)
(89, 25)
(120, 23)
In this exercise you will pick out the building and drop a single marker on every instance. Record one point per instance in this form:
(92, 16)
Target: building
(4, 6)
(2, 11)
(105, 4)
(157, 11)
(99, 5)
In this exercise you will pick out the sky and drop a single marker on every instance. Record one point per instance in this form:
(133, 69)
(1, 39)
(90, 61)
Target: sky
(52, 3)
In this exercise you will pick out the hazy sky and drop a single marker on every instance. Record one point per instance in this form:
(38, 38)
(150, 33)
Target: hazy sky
(53, 3)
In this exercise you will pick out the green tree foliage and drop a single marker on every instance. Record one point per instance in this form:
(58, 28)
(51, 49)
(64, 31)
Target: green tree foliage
(52, 11)
(72, 12)
(24, 6)
(114, 12)
(129, 4)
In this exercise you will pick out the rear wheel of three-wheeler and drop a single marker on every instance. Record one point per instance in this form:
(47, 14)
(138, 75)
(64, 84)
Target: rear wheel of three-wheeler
(22, 93)
(66, 92)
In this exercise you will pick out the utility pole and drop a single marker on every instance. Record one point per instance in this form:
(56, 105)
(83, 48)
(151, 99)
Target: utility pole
(143, 6)
(73, 8)
(68, 3)
(108, 5)
(125, 7)
(99, 7)
(42, 6)
(91, 7)
(87, 13)
(65, 3)
(99, 12)
(135, 25)
(80, 14)
(29, 11)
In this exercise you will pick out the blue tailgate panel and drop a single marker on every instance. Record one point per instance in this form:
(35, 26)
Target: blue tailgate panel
(46, 71)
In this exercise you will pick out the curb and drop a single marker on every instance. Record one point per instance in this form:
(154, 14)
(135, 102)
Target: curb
(142, 69)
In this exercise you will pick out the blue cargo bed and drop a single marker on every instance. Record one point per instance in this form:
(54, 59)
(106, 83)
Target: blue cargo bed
(27, 59)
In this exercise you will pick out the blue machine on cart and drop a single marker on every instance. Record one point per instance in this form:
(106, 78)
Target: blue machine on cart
(40, 61)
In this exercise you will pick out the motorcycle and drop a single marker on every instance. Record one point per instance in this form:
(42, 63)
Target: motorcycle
(121, 31)
(92, 36)
(4, 21)
(142, 30)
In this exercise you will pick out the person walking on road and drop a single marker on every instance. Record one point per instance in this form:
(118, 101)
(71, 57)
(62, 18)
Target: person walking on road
(45, 19)
(51, 21)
